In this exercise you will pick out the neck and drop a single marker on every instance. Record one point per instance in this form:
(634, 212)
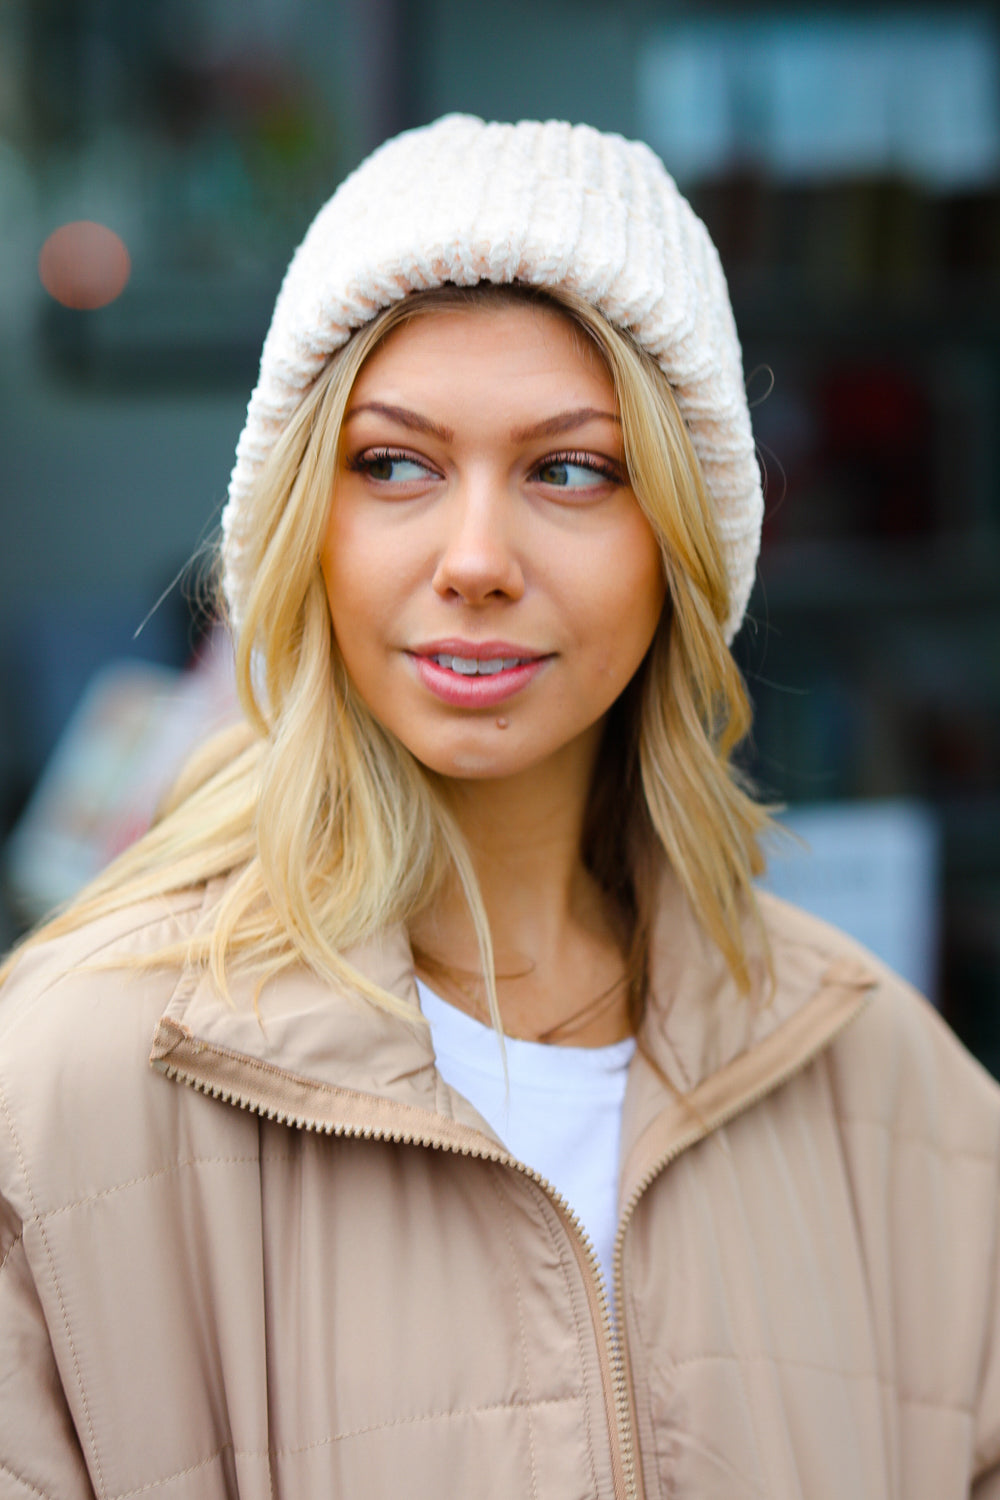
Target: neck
(556, 946)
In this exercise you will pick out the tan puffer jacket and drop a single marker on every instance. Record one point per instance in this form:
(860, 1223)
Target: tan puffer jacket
(288, 1261)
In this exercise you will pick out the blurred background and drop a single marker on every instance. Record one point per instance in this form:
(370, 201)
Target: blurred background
(160, 161)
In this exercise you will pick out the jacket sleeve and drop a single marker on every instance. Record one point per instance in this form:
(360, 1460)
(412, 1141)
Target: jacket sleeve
(40, 1457)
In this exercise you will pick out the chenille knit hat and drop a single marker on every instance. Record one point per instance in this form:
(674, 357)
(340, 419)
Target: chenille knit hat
(550, 205)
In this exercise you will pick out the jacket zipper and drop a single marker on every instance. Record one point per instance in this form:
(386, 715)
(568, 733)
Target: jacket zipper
(700, 1132)
(615, 1378)
(617, 1399)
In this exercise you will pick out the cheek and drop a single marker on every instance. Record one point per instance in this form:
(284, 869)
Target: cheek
(355, 572)
(625, 628)
(639, 595)
(343, 564)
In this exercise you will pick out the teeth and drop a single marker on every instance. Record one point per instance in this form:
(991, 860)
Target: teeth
(468, 666)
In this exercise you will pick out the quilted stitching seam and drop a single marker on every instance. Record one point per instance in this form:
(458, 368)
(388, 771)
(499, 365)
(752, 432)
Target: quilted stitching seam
(802, 1364)
(11, 1248)
(338, 1437)
(505, 1212)
(965, 1153)
(131, 1182)
(25, 1484)
(57, 1286)
(562, 1254)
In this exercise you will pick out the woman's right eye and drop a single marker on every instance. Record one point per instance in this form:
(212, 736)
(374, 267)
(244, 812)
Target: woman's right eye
(390, 468)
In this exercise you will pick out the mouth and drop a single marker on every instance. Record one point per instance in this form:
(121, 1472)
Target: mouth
(472, 666)
(468, 675)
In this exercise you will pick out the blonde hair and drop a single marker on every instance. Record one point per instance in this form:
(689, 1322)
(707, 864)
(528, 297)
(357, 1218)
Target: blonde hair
(330, 829)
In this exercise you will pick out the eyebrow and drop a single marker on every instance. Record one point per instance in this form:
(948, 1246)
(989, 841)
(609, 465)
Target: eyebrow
(404, 417)
(564, 421)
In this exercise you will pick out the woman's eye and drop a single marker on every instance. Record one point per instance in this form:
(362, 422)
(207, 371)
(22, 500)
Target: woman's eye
(391, 468)
(574, 474)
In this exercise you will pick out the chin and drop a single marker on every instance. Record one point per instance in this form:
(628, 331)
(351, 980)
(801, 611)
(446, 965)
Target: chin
(469, 765)
(476, 767)
(471, 761)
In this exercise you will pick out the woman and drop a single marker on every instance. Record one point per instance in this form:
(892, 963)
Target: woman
(498, 1140)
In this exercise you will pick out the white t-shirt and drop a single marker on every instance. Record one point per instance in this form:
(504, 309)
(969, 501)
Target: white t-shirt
(563, 1114)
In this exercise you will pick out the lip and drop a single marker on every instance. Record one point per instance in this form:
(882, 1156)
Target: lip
(454, 645)
(475, 692)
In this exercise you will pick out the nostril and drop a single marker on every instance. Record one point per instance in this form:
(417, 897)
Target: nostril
(479, 573)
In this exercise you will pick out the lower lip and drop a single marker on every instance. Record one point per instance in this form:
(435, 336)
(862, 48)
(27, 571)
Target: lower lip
(476, 692)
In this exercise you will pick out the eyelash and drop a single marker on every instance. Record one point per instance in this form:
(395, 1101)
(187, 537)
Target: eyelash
(603, 466)
(363, 462)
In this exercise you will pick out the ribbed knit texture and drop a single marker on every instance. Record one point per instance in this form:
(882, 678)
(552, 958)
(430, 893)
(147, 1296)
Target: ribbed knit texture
(551, 205)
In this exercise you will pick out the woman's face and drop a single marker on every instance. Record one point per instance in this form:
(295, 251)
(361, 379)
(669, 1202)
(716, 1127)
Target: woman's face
(493, 583)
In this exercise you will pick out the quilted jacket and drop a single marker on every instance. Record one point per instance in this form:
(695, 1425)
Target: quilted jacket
(287, 1260)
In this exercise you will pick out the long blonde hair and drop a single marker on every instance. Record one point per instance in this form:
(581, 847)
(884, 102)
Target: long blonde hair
(331, 831)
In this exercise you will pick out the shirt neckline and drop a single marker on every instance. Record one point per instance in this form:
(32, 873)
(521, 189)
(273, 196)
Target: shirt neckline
(462, 1038)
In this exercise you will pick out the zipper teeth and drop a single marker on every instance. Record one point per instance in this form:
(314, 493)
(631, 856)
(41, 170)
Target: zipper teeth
(407, 1138)
(612, 1341)
(745, 1103)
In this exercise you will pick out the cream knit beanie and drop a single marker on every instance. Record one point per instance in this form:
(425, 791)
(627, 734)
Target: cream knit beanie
(547, 204)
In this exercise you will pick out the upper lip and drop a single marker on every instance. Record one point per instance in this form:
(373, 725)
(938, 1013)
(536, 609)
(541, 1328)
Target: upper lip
(476, 650)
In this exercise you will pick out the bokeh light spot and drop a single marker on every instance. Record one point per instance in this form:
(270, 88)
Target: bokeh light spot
(84, 265)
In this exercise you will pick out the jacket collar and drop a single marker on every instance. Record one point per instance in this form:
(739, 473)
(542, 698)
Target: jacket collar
(697, 1021)
(318, 1055)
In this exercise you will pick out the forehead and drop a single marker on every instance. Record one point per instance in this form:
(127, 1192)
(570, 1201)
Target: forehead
(531, 347)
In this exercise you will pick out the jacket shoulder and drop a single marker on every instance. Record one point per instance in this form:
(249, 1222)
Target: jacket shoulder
(138, 926)
(918, 1121)
(77, 1015)
(899, 1065)
(59, 973)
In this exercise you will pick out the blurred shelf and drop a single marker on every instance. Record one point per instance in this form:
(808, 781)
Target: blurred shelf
(885, 319)
(177, 330)
(831, 577)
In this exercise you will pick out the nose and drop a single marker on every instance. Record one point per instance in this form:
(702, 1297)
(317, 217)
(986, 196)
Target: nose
(478, 558)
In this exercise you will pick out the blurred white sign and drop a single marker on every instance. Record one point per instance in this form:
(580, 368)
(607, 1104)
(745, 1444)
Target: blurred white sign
(872, 869)
(817, 96)
(131, 732)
